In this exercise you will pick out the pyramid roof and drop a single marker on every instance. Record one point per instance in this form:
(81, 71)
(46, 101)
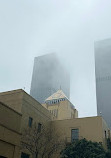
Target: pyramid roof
(58, 95)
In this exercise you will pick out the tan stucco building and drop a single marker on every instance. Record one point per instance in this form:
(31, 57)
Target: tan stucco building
(31, 110)
(60, 106)
(10, 121)
(58, 112)
(91, 128)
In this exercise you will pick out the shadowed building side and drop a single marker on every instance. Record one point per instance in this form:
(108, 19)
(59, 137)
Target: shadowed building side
(10, 135)
(32, 113)
(48, 76)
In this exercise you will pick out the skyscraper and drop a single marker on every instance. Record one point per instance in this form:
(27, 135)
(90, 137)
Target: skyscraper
(48, 76)
(103, 78)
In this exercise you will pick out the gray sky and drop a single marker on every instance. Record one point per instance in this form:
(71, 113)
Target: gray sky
(30, 28)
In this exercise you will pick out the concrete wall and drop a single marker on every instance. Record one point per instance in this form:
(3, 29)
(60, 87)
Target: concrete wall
(19, 101)
(13, 99)
(64, 108)
(10, 135)
(22, 102)
(32, 108)
(90, 128)
(105, 133)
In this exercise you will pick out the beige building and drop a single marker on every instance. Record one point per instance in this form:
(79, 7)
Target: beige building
(91, 128)
(58, 112)
(60, 106)
(31, 110)
(10, 134)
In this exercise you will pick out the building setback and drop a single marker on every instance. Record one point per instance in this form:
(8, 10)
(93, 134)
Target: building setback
(103, 78)
(48, 76)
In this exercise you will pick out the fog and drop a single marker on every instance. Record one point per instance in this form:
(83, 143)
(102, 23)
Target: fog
(67, 27)
(48, 77)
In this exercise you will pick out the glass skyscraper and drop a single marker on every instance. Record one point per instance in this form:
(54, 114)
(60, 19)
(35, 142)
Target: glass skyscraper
(103, 78)
(49, 75)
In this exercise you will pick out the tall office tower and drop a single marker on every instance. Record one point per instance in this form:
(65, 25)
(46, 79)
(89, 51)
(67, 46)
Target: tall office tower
(48, 76)
(103, 78)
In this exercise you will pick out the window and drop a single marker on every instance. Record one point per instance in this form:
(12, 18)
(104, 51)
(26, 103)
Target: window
(30, 121)
(74, 134)
(39, 127)
(105, 134)
(24, 155)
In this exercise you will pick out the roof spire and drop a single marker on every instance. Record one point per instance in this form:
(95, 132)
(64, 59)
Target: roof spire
(60, 87)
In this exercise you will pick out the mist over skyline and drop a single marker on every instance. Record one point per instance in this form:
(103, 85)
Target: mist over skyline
(68, 27)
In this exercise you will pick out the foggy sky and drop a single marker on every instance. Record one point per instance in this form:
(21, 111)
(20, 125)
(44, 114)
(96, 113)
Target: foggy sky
(30, 28)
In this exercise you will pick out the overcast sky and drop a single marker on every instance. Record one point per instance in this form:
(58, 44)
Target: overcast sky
(30, 28)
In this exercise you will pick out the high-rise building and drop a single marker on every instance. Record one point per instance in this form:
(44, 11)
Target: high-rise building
(48, 76)
(103, 78)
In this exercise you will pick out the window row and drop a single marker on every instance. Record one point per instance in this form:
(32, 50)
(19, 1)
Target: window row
(30, 122)
(105, 78)
(55, 101)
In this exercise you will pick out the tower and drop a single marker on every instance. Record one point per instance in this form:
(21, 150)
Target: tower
(48, 76)
(103, 78)
(60, 106)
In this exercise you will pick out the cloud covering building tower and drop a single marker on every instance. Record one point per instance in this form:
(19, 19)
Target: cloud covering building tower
(103, 78)
(48, 76)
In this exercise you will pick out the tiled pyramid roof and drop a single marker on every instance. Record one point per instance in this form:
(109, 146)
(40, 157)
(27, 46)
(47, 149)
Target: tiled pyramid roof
(58, 95)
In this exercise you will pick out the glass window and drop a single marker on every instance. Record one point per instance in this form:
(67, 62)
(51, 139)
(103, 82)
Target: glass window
(74, 134)
(24, 155)
(105, 134)
(39, 127)
(30, 121)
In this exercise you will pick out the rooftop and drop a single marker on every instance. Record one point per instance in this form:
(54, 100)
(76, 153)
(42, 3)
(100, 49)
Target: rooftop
(58, 95)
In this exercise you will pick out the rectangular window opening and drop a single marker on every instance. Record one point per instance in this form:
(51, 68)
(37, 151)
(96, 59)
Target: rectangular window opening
(39, 127)
(74, 134)
(24, 155)
(30, 121)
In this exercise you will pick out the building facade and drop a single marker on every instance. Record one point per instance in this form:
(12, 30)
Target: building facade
(23, 111)
(48, 76)
(60, 107)
(103, 79)
(32, 113)
(10, 132)
(91, 128)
